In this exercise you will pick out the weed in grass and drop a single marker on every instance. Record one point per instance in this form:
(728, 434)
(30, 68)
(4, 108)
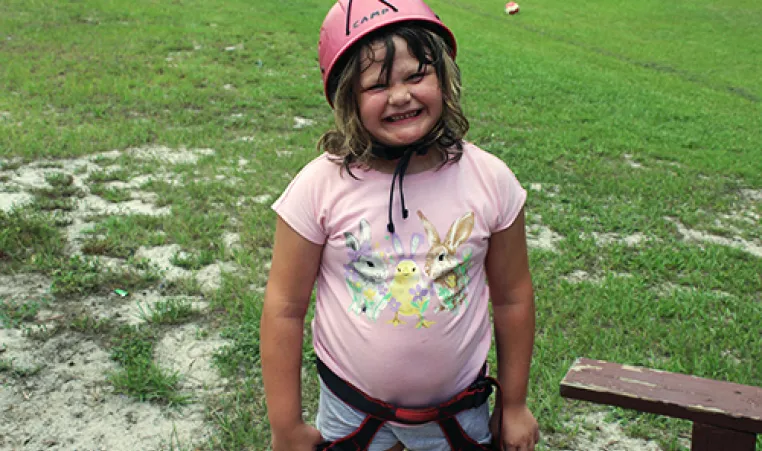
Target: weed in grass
(139, 376)
(10, 165)
(131, 343)
(7, 366)
(171, 311)
(50, 164)
(122, 236)
(116, 175)
(26, 235)
(46, 203)
(185, 286)
(87, 324)
(111, 194)
(145, 381)
(194, 260)
(77, 275)
(176, 444)
(59, 179)
(62, 185)
(40, 332)
(241, 418)
(60, 196)
(130, 279)
(59, 219)
(82, 275)
(13, 313)
(80, 170)
(242, 355)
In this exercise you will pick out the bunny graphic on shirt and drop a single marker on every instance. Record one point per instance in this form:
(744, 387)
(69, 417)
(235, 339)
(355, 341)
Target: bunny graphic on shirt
(447, 270)
(365, 274)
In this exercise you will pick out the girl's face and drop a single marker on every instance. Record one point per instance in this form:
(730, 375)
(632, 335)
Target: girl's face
(401, 107)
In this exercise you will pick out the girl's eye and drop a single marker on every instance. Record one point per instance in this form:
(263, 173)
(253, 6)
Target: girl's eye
(417, 76)
(375, 87)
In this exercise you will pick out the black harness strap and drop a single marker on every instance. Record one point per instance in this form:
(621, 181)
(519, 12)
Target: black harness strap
(379, 412)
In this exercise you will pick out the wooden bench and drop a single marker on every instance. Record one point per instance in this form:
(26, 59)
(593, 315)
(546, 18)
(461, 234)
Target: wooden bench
(726, 416)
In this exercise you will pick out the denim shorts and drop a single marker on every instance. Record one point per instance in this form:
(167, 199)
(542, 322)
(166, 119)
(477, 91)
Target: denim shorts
(336, 419)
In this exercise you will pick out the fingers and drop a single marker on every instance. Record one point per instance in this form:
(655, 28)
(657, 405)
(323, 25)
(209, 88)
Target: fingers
(529, 447)
(527, 444)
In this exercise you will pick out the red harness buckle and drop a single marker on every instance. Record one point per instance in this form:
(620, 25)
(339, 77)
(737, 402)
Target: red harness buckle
(416, 415)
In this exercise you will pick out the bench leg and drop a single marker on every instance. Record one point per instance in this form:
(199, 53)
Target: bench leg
(712, 438)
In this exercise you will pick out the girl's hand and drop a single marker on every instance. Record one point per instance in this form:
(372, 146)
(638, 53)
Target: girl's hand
(520, 429)
(302, 437)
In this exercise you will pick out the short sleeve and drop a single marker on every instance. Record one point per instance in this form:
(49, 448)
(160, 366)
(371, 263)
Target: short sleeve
(300, 204)
(510, 198)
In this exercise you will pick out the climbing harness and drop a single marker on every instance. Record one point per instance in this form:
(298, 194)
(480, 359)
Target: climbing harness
(379, 412)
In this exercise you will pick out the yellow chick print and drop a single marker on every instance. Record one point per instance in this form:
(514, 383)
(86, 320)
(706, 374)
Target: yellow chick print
(409, 298)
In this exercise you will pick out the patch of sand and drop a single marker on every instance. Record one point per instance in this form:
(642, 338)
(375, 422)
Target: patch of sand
(579, 276)
(753, 248)
(542, 237)
(183, 350)
(64, 401)
(631, 162)
(629, 240)
(599, 435)
(69, 404)
(168, 155)
(23, 287)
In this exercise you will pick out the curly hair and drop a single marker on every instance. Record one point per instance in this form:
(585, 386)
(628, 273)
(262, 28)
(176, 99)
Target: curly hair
(349, 143)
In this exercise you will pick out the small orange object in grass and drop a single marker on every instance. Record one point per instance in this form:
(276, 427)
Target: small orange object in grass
(511, 8)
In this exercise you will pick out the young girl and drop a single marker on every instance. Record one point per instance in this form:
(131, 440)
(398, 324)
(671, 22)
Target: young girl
(402, 322)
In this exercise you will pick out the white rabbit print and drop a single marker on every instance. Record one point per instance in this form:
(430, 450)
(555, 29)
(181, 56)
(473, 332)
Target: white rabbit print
(366, 274)
(445, 266)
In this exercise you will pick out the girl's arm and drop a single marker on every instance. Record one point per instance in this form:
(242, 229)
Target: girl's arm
(295, 263)
(510, 285)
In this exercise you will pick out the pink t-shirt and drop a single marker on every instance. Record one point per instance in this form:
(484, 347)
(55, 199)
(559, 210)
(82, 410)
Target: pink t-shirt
(403, 317)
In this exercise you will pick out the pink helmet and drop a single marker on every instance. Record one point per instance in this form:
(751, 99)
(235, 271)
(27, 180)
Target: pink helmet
(348, 21)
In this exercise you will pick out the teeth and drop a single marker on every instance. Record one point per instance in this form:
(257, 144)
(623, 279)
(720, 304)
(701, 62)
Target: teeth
(403, 116)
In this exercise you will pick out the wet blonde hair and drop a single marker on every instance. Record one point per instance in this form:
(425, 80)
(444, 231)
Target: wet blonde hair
(349, 143)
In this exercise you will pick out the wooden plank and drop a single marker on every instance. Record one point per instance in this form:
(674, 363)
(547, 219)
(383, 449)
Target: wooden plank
(710, 438)
(717, 403)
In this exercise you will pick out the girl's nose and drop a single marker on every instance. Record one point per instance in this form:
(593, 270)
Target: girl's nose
(399, 95)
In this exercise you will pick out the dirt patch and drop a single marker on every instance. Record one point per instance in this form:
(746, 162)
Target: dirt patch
(182, 349)
(631, 162)
(540, 236)
(21, 287)
(70, 405)
(54, 388)
(633, 240)
(596, 434)
(58, 396)
(752, 247)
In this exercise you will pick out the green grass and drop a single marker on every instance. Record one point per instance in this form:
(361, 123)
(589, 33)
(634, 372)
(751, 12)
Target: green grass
(13, 313)
(139, 376)
(171, 311)
(570, 95)
(27, 237)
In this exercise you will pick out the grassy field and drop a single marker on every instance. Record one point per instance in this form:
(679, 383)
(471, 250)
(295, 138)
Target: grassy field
(636, 127)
